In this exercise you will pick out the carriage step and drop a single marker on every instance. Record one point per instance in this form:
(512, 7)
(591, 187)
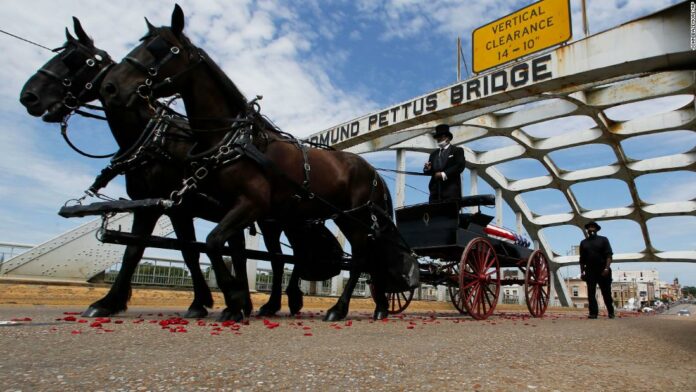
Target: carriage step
(105, 207)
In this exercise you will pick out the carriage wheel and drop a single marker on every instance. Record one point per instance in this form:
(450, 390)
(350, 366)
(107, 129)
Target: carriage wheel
(479, 278)
(453, 291)
(398, 302)
(537, 283)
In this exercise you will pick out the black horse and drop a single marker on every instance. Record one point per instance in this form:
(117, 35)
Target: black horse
(73, 77)
(262, 173)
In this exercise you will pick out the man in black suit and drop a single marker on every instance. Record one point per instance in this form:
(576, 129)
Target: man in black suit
(595, 261)
(445, 167)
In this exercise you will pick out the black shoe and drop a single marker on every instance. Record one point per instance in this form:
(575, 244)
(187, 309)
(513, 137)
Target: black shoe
(611, 316)
(592, 316)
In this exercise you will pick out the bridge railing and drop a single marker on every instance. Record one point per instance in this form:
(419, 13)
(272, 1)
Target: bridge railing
(9, 250)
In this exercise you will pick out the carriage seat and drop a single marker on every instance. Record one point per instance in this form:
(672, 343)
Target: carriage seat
(478, 219)
(477, 200)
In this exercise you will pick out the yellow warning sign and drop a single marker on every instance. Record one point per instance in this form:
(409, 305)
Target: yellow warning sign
(539, 26)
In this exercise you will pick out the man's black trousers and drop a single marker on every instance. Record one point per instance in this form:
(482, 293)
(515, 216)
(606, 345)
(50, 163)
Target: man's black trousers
(605, 287)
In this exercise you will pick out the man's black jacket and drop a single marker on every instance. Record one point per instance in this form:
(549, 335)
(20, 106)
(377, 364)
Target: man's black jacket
(451, 162)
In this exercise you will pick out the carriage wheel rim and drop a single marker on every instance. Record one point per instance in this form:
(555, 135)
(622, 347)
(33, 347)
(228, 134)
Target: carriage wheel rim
(537, 286)
(479, 270)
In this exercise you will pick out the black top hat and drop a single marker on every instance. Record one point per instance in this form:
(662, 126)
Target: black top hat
(442, 130)
(593, 223)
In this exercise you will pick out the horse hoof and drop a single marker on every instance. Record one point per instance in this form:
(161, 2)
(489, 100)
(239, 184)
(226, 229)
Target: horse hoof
(380, 314)
(228, 315)
(95, 311)
(195, 313)
(267, 311)
(295, 304)
(334, 315)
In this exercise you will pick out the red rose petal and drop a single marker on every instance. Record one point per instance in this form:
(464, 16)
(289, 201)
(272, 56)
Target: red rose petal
(308, 334)
(69, 318)
(76, 332)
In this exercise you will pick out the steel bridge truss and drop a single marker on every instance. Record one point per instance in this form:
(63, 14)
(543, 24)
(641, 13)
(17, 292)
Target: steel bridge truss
(640, 61)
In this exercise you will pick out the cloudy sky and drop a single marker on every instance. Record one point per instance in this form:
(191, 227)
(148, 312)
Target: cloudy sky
(317, 64)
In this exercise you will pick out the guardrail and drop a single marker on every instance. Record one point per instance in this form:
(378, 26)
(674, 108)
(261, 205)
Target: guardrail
(9, 250)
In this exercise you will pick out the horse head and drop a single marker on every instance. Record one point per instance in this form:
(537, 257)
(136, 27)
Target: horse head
(68, 80)
(166, 63)
(156, 68)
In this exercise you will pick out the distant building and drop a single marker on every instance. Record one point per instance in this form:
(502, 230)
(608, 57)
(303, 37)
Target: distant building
(646, 284)
(513, 294)
(578, 294)
(669, 291)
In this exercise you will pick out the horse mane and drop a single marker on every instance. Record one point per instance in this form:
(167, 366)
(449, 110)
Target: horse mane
(230, 90)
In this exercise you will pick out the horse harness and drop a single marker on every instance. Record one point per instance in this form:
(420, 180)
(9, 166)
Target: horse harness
(163, 50)
(149, 147)
(78, 61)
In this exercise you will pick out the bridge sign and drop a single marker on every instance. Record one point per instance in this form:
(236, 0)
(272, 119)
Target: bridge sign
(538, 26)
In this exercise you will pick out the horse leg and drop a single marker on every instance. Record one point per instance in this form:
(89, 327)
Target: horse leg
(294, 293)
(271, 237)
(238, 244)
(380, 297)
(116, 300)
(340, 310)
(232, 289)
(202, 298)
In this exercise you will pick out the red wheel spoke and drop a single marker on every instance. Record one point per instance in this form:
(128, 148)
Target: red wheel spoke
(488, 298)
(488, 260)
(471, 283)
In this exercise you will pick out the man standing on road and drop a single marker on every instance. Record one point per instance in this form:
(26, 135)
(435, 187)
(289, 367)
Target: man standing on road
(445, 167)
(595, 261)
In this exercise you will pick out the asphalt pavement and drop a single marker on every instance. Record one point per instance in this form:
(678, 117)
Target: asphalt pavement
(48, 348)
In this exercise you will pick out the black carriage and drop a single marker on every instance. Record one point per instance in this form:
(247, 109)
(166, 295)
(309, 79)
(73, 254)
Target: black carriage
(467, 260)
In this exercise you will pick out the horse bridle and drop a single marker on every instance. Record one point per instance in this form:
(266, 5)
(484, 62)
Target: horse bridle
(77, 62)
(162, 51)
